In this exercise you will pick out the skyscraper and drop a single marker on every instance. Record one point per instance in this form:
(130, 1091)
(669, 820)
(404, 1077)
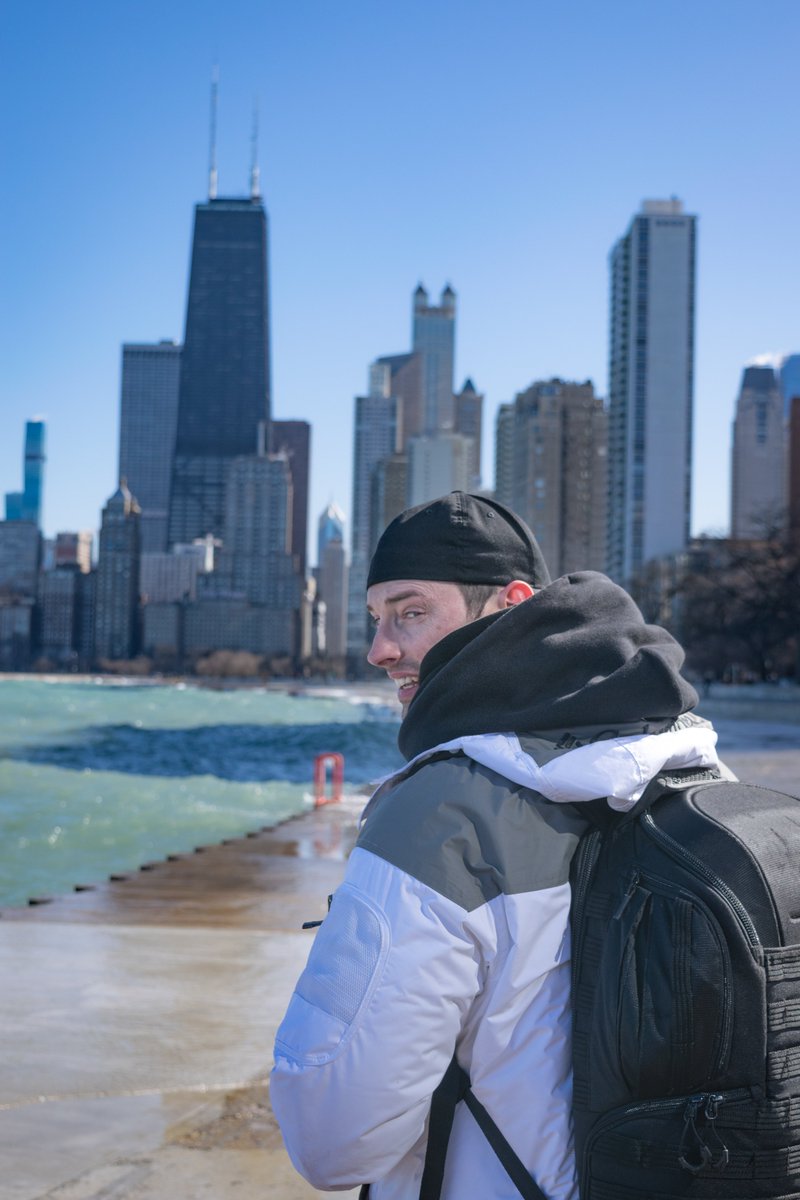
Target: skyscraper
(258, 532)
(651, 375)
(758, 459)
(27, 504)
(224, 393)
(552, 469)
(790, 381)
(468, 420)
(433, 338)
(793, 470)
(375, 437)
(292, 439)
(439, 463)
(148, 418)
(332, 575)
(117, 594)
(405, 382)
(414, 440)
(20, 557)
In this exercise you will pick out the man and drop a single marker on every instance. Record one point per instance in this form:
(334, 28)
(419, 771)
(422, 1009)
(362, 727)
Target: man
(522, 699)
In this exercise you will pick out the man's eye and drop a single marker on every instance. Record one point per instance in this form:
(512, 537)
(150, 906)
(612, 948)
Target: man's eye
(412, 612)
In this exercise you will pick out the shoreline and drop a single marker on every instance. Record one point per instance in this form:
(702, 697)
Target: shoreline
(783, 694)
(380, 689)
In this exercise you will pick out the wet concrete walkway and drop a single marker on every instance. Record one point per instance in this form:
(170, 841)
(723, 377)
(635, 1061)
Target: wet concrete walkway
(137, 1020)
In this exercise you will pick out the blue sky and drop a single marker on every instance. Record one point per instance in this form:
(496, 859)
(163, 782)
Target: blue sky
(501, 147)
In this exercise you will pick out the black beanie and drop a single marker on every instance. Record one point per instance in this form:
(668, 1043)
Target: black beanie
(459, 538)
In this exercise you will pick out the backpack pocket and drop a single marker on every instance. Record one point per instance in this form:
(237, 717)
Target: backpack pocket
(705, 1145)
(665, 964)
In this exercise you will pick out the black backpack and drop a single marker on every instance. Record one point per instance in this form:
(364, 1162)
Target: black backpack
(686, 1001)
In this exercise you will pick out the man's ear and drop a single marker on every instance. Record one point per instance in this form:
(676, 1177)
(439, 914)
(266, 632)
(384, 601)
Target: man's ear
(514, 593)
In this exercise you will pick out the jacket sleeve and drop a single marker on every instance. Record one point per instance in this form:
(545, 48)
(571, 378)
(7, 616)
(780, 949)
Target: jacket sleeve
(372, 1024)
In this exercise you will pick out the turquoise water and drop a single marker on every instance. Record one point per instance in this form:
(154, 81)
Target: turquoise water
(97, 777)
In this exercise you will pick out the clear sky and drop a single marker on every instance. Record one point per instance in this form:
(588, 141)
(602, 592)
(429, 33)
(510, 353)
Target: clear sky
(502, 147)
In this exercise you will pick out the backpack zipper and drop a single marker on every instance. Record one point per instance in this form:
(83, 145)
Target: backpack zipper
(698, 867)
(689, 1106)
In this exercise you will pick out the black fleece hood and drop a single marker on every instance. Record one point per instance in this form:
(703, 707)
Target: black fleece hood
(578, 654)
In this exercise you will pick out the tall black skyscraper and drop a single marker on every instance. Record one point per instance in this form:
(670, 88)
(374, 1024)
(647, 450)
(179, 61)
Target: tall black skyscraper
(224, 395)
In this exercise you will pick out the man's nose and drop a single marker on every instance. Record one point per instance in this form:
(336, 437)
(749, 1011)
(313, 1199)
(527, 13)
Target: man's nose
(384, 650)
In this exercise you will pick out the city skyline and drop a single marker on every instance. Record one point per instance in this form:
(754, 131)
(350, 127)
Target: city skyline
(103, 259)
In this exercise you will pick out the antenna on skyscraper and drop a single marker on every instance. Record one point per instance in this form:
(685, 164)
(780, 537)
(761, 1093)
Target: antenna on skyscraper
(255, 190)
(212, 150)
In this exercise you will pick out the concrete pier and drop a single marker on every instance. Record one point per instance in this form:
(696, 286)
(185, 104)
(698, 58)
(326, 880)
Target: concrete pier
(137, 1020)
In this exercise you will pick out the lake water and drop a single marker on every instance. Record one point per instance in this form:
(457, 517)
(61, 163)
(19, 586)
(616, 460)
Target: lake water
(98, 777)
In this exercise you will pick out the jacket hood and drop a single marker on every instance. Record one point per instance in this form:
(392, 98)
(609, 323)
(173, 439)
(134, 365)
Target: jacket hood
(577, 655)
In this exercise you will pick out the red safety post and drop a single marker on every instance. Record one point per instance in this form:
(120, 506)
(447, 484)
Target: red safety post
(329, 765)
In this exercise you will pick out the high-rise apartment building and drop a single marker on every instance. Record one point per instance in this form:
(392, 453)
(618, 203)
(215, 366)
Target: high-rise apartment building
(224, 392)
(433, 338)
(758, 459)
(552, 469)
(27, 504)
(148, 419)
(292, 439)
(117, 590)
(257, 541)
(20, 557)
(651, 373)
(59, 614)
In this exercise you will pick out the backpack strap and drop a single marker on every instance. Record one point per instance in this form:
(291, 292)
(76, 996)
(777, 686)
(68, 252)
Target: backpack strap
(455, 1083)
(455, 1086)
(677, 780)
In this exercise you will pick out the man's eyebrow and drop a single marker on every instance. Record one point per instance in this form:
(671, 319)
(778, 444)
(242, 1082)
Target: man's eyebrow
(400, 596)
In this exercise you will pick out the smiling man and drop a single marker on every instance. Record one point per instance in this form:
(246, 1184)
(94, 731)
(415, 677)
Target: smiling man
(412, 615)
(449, 937)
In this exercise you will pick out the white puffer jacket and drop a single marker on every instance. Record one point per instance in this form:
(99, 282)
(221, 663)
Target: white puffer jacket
(451, 932)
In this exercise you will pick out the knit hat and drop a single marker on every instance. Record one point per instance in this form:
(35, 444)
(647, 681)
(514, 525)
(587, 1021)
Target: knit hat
(459, 538)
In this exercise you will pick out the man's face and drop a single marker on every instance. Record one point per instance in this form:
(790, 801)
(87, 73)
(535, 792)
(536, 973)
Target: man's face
(411, 616)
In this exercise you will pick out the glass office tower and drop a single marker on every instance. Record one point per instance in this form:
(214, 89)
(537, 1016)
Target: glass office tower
(224, 394)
